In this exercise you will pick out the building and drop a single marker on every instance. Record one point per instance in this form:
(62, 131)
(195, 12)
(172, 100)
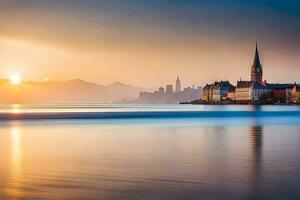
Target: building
(289, 94)
(243, 91)
(169, 89)
(207, 92)
(231, 93)
(249, 91)
(161, 91)
(279, 91)
(295, 95)
(254, 91)
(258, 90)
(178, 85)
(224, 87)
(216, 91)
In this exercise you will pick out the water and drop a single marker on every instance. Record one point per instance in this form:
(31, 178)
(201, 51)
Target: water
(50, 108)
(150, 158)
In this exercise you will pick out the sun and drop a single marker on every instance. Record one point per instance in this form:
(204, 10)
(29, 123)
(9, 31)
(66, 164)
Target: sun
(15, 79)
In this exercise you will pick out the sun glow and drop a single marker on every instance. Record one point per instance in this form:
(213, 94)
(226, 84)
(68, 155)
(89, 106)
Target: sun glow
(15, 108)
(15, 79)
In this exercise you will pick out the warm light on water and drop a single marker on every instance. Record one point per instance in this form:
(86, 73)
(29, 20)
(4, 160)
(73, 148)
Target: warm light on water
(41, 108)
(15, 171)
(150, 159)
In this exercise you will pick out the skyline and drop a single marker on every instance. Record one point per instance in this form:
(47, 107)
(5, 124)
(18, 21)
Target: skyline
(136, 42)
(18, 91)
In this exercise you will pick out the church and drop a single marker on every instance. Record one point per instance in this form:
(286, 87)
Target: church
(252, 90)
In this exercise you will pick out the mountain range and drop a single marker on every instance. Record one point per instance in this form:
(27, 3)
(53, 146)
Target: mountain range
(71, 91)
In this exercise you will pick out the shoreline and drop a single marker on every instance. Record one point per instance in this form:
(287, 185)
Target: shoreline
(235, 103)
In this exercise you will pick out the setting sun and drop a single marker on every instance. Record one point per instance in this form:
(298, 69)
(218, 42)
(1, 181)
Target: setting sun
(15, 79)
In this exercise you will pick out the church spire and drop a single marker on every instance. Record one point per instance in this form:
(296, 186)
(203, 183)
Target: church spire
(256, 62)
(256, 70)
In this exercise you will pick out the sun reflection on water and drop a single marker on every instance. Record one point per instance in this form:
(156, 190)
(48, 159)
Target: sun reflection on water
(14, 190)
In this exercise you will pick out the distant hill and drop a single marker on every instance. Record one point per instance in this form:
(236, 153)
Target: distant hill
(71, 91)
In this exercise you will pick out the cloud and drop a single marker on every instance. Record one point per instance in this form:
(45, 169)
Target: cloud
(150, 37)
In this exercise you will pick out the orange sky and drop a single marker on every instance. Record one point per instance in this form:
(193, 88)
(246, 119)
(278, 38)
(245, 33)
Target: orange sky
(57, 42)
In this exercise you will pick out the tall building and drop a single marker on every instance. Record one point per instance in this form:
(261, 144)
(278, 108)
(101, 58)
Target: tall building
(169, 89)
(178, 85)
(169, 95)
(256, 70)
(161, 90)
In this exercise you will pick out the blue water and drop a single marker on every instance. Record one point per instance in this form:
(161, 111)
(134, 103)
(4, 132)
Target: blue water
(17, 108)
(119, 111)
(223, 156)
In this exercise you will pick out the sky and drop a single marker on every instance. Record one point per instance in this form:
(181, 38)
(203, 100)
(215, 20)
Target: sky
(149, 42)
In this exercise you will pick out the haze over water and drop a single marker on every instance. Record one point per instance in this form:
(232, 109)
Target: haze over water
(152, 158)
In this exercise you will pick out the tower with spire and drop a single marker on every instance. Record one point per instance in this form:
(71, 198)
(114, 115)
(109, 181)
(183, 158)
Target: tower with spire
(256, 70)
(178, 85)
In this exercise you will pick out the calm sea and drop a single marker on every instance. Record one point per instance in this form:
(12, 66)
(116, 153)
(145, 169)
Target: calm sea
(223, 156)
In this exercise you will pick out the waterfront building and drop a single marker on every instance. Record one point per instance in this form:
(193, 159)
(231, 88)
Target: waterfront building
(289, 94)
(216, 91)
(231, 93)
(206, 93)
(243, 91)
(249, 91)
(224, 87)
(279, 92)
(253, 91)
(258, 90)
(295, 94)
